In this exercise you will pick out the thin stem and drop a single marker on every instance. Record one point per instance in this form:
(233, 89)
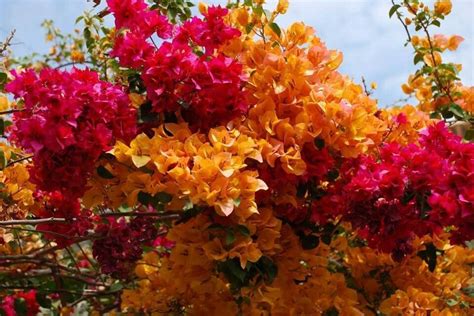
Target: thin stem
(399, 17)
(143, 214)
(367, 92)
(73, 259)
(11, 163)
(73, 63)
(10, 111)
(33, 221)
(6, 43)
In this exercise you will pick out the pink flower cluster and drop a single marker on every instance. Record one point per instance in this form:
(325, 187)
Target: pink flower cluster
(68, 120)
(209, 33)
(135, 16)
(407, 191)
(186, 73)
(121, 244)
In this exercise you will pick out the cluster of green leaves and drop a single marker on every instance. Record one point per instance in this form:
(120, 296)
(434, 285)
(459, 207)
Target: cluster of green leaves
(264, 270)
(176, 10)
(230, 232)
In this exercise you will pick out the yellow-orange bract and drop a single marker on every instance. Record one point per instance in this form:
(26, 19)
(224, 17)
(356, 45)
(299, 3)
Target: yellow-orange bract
(16, 192)
(193, 168)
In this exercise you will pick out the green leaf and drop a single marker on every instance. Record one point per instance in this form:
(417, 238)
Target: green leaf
(144, 198)
(215, 226)
(469, 135)
(469, 290)
(146, 114)
(301, 190)
(3, 79)
(104, 173)
(451, 302)
(429, 256)
(319, 143)
(42, 300)
(309, 241)
(436, 23)
(258, 10)
(457, 110)
(229, 237)
(3, 160)
(2, 126)
(268, 267)
(233, 272)
(331, 312)
(418, 58)
(470, 245)
(163, 197)
(326, 238)
(116, 287)
(188, 214)
(243, 230)
(21, 308)
(275, 28)
(333, 174)
(88, 37)
(393, 9)
(249, 27)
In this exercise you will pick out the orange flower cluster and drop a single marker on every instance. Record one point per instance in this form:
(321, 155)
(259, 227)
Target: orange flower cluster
(192, 168)
(16, 192)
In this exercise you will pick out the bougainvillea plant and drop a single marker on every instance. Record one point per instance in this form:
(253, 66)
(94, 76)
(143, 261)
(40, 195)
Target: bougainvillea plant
(173, 163)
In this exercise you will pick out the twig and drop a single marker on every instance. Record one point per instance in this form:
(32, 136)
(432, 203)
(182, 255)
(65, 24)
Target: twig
(33, 221)
(145, 214)
(10, 111)
(7, 42)
(73, 63)
(73, 259)
(403, 23)
(367, 92)
(11, 163)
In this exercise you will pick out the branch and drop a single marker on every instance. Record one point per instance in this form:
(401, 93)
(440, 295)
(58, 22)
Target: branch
(11, 163)
(144, 214)
(367, 91)
(7, 42)
(399, 17)
(73, 63)
(33, 221)
(10, 111)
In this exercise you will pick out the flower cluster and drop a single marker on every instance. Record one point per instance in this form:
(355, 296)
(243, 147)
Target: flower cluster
(120, 244)
(16, 190)
(410, 190)
(185, 73)
(135, 16)
(68, 120)
(192, 168)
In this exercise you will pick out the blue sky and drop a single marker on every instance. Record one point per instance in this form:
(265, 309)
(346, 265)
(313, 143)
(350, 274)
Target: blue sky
(372, 43)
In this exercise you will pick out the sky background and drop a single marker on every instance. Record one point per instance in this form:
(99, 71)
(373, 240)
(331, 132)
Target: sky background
(372, 43)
